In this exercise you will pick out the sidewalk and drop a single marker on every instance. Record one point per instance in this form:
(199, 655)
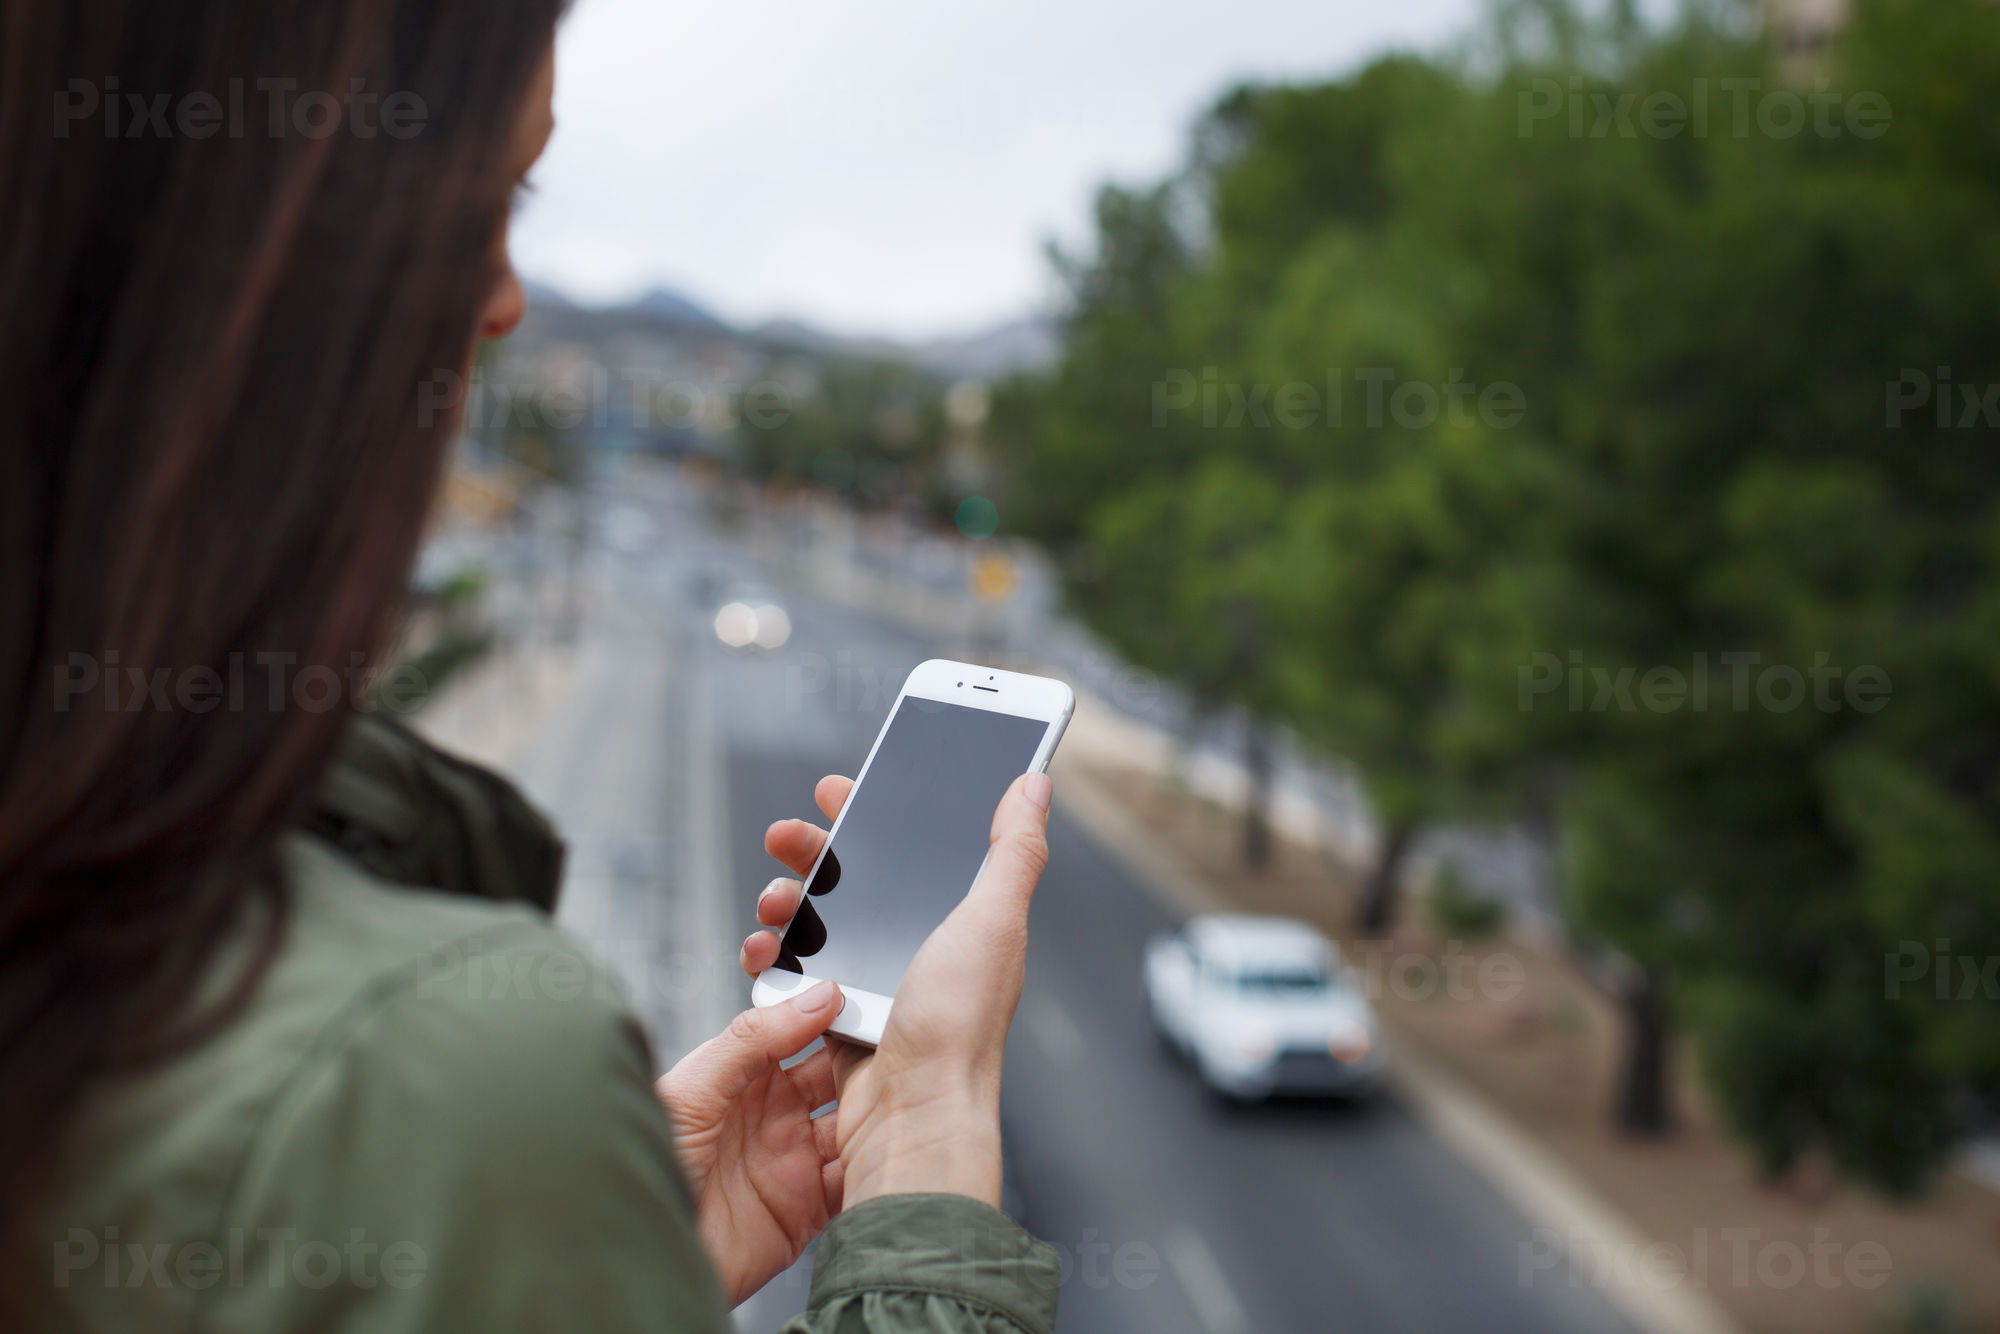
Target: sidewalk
(601, 735)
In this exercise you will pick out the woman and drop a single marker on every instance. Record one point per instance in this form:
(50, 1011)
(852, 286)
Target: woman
(286, 1038)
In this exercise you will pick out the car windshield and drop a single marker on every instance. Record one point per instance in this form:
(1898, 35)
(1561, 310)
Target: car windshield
(1282, 981)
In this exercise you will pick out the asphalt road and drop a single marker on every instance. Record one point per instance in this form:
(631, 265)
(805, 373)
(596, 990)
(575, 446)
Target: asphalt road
(1175, 1214)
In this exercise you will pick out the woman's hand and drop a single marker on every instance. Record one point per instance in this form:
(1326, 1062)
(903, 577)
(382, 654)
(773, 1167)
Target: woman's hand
(764, 1175)
(922, 1111)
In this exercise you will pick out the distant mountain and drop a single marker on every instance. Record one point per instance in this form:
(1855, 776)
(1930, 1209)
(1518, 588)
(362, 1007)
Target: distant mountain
(664, 303)
(1016, 345)
(811, 338)
(547, 297)
(986, 354)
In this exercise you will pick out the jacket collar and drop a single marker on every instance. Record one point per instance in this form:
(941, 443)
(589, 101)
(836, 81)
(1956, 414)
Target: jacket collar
(409, 813)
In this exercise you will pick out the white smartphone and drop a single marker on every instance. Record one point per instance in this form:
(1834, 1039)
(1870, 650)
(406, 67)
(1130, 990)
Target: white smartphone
(912, 837)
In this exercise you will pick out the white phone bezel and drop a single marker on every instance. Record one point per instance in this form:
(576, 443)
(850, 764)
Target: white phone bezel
(863, 1014)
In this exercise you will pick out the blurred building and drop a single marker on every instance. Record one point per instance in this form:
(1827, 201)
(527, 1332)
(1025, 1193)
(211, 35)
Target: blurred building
(1800, 26)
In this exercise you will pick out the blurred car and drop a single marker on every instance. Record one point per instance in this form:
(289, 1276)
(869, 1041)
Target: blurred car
(1262, 1006)
(753, 618)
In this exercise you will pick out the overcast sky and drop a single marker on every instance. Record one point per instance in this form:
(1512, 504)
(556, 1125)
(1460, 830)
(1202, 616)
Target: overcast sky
(890, 166)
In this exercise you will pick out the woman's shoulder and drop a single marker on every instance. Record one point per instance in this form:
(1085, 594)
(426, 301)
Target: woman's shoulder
(408, 1057)
(448, 985)
(354, 937)
(399, 985)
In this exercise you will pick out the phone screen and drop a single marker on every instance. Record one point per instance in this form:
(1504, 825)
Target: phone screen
(910, 842)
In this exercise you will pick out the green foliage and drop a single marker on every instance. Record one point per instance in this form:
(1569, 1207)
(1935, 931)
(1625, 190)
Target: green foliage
(462, 590)
(1457, 913)
(870, 432)
(1926, 1306)
(1702, 331)
(440, 662)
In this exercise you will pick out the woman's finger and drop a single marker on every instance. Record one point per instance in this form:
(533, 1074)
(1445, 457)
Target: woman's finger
(848, 1057)
(795, 843)
(833, 1175)
(759, 952)
(778, 902)
(831, 794)
(813, 1077)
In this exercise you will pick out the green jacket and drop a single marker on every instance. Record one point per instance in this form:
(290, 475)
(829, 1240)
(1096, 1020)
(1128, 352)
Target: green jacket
(436, 1114)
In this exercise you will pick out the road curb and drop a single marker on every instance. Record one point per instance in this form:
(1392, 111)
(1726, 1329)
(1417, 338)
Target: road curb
(1094, 807)
(1537, 1184)
(1549, 1195)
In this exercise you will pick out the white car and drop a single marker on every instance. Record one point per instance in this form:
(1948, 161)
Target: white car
(1262, 1005)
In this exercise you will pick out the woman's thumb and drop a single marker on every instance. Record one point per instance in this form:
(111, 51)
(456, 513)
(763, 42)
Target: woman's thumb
(1019, 851)
(760, 1037)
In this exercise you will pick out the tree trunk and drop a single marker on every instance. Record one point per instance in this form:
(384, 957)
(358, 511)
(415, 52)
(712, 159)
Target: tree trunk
(1257, 764)
(1378, 904)
(1645, 1100)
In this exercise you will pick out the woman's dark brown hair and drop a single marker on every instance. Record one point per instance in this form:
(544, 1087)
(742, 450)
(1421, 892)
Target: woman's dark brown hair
(236, 236)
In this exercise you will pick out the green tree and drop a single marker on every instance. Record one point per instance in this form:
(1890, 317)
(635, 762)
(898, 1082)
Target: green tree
(1754, 450)
(871, 432)
(1742, 305)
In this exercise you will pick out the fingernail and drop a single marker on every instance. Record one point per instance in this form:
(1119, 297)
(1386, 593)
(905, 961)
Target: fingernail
(818, 998)
(1038, 789)
(770, 889)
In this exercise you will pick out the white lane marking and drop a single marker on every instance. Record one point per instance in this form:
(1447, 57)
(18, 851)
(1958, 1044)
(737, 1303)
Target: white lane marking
(1201, 1277)
(1053, 1031)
